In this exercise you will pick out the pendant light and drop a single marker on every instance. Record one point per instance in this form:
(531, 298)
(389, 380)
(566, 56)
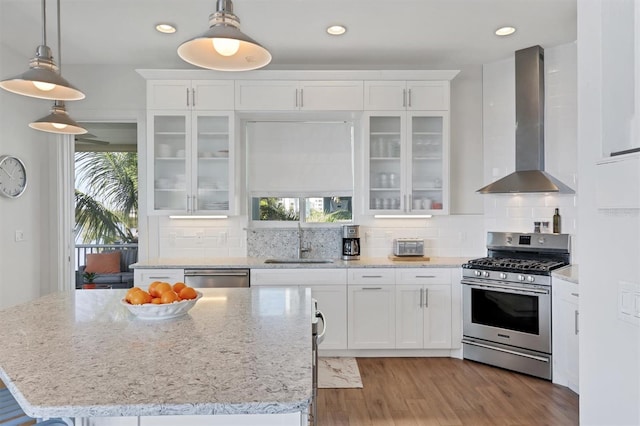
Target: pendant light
(58, 121)
(224, 47)
(42, 80)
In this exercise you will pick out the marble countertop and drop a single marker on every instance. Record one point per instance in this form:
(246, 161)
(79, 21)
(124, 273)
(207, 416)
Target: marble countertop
(256, 262)
(568, 273)
(82, 354)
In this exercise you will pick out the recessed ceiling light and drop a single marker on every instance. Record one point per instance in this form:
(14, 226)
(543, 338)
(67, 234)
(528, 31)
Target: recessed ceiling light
(337, 29)
(505, 31)
(166, 28)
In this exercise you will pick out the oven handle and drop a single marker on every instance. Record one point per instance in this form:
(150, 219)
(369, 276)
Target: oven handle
(504, 288)
(537, 358)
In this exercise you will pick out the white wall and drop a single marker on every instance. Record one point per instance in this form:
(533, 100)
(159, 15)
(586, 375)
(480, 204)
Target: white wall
(610, 239)
(25, 265)
(518, 212)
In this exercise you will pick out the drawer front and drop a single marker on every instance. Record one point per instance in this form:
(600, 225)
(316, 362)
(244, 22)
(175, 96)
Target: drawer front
(144, 277)
(302, 277)
(423, 276)
(366, 276)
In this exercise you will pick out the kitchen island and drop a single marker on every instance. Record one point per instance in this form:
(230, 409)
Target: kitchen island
(239, 356)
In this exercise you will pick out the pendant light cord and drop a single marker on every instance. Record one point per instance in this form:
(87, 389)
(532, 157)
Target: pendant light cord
(44, 23)
(59, 42)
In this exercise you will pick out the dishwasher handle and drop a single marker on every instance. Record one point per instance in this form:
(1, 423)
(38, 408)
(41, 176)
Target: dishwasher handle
(215, 273)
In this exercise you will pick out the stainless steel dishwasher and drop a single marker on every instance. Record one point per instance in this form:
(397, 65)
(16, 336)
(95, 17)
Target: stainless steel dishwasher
(216, 278)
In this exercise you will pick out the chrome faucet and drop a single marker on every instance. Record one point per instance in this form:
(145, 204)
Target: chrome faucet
(301, 247)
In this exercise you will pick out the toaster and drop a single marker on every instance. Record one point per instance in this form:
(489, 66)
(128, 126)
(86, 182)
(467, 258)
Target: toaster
(408, 247)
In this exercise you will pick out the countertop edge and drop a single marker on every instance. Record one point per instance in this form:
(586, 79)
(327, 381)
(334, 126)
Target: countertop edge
(568, 273)
(259, 263)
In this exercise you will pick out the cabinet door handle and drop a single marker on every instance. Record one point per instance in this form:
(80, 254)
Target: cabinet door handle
(409, 98)
(575, 321)
(296, 98)
(425, 276)
(372, 276)
(301, 98)
(187, 96)
(194, 204)
(188, 203)
(372, 288)
(159, 278)
(404, 98)
(409, 202)
(421, 293)
(193, 97)
(575, 294)
(426, 298)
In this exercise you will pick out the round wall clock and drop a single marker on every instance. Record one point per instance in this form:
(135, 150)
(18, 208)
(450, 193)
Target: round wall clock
(13, 176)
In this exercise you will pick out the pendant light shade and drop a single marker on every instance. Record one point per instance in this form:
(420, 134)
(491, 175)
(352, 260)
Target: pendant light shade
(58, 122)
(224, 47)
(42, 79)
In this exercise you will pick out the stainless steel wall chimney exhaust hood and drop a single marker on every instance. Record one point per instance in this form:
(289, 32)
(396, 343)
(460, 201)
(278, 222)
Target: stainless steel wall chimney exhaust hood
(529, 175)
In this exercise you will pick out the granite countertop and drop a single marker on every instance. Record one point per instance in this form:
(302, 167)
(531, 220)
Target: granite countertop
(568, 273)
(82, 354)
(258, 262)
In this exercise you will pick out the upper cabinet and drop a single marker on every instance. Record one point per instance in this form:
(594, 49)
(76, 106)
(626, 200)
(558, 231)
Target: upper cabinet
(191, 166)
(199, 95)
(406, 95)
(407, 162)
(286, 95)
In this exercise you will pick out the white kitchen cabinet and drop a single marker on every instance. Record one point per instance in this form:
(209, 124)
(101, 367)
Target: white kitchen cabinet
(191, 168)
(107, 421)
(284, 95)
(199, 95)
(143, 277)
(371, 308)
(406, 95)
(423, 309)
(328, 287)
(406, 162)
(332, 301)
(565, 314)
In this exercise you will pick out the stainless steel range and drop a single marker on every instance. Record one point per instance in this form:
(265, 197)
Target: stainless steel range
(507, 301)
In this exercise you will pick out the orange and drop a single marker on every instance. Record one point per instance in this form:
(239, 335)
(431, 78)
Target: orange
(188, 293)
(161, 288)
(178, 286)
(156, 301)
(152, 286)
(140, 298)
(131, 291)
(169, 296)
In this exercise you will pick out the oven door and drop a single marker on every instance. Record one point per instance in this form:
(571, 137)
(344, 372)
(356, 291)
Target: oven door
(510, 314)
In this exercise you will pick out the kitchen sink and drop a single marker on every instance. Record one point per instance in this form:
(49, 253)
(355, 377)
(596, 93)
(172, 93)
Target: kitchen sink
(298, 261)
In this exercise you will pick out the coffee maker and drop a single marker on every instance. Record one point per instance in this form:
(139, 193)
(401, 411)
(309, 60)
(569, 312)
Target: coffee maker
(350, 242)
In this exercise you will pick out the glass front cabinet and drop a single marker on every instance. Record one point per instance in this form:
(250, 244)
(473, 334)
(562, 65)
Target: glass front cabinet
(191, 167)
(407, 162)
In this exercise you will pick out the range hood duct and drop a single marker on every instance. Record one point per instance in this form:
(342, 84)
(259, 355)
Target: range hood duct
(529, 175)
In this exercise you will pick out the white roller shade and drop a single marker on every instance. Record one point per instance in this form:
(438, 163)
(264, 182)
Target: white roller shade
(304, 158)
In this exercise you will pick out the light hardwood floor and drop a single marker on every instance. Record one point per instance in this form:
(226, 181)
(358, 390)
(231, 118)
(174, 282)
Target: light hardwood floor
(445, 391)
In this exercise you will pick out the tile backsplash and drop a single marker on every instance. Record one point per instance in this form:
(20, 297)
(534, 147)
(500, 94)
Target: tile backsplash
(284, 242)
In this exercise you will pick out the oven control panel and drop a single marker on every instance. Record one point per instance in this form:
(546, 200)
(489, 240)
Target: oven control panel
(507, 276)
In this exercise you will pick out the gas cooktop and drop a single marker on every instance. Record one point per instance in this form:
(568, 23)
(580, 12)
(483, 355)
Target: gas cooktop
(507, 264)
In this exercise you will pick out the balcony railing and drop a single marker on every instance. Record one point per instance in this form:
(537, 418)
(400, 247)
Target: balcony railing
(83, 249)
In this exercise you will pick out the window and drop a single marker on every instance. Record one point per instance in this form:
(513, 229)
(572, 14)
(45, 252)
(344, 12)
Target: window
(313, 209)
(300, 171)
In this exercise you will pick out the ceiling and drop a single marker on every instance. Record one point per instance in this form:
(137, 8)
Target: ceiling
(390, 34)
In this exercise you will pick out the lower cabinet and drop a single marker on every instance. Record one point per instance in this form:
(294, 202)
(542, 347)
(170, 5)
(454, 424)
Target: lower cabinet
(143, 277)
(328, 287)
(565, 333)
(332, 301)
(423, 316)
(371, 316)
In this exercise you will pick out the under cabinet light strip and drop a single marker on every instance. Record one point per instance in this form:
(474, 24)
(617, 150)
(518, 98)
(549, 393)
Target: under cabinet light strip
(402, 216)
(187, 217)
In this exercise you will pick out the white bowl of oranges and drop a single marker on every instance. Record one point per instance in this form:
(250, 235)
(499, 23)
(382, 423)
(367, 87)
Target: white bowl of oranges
(161, 301)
